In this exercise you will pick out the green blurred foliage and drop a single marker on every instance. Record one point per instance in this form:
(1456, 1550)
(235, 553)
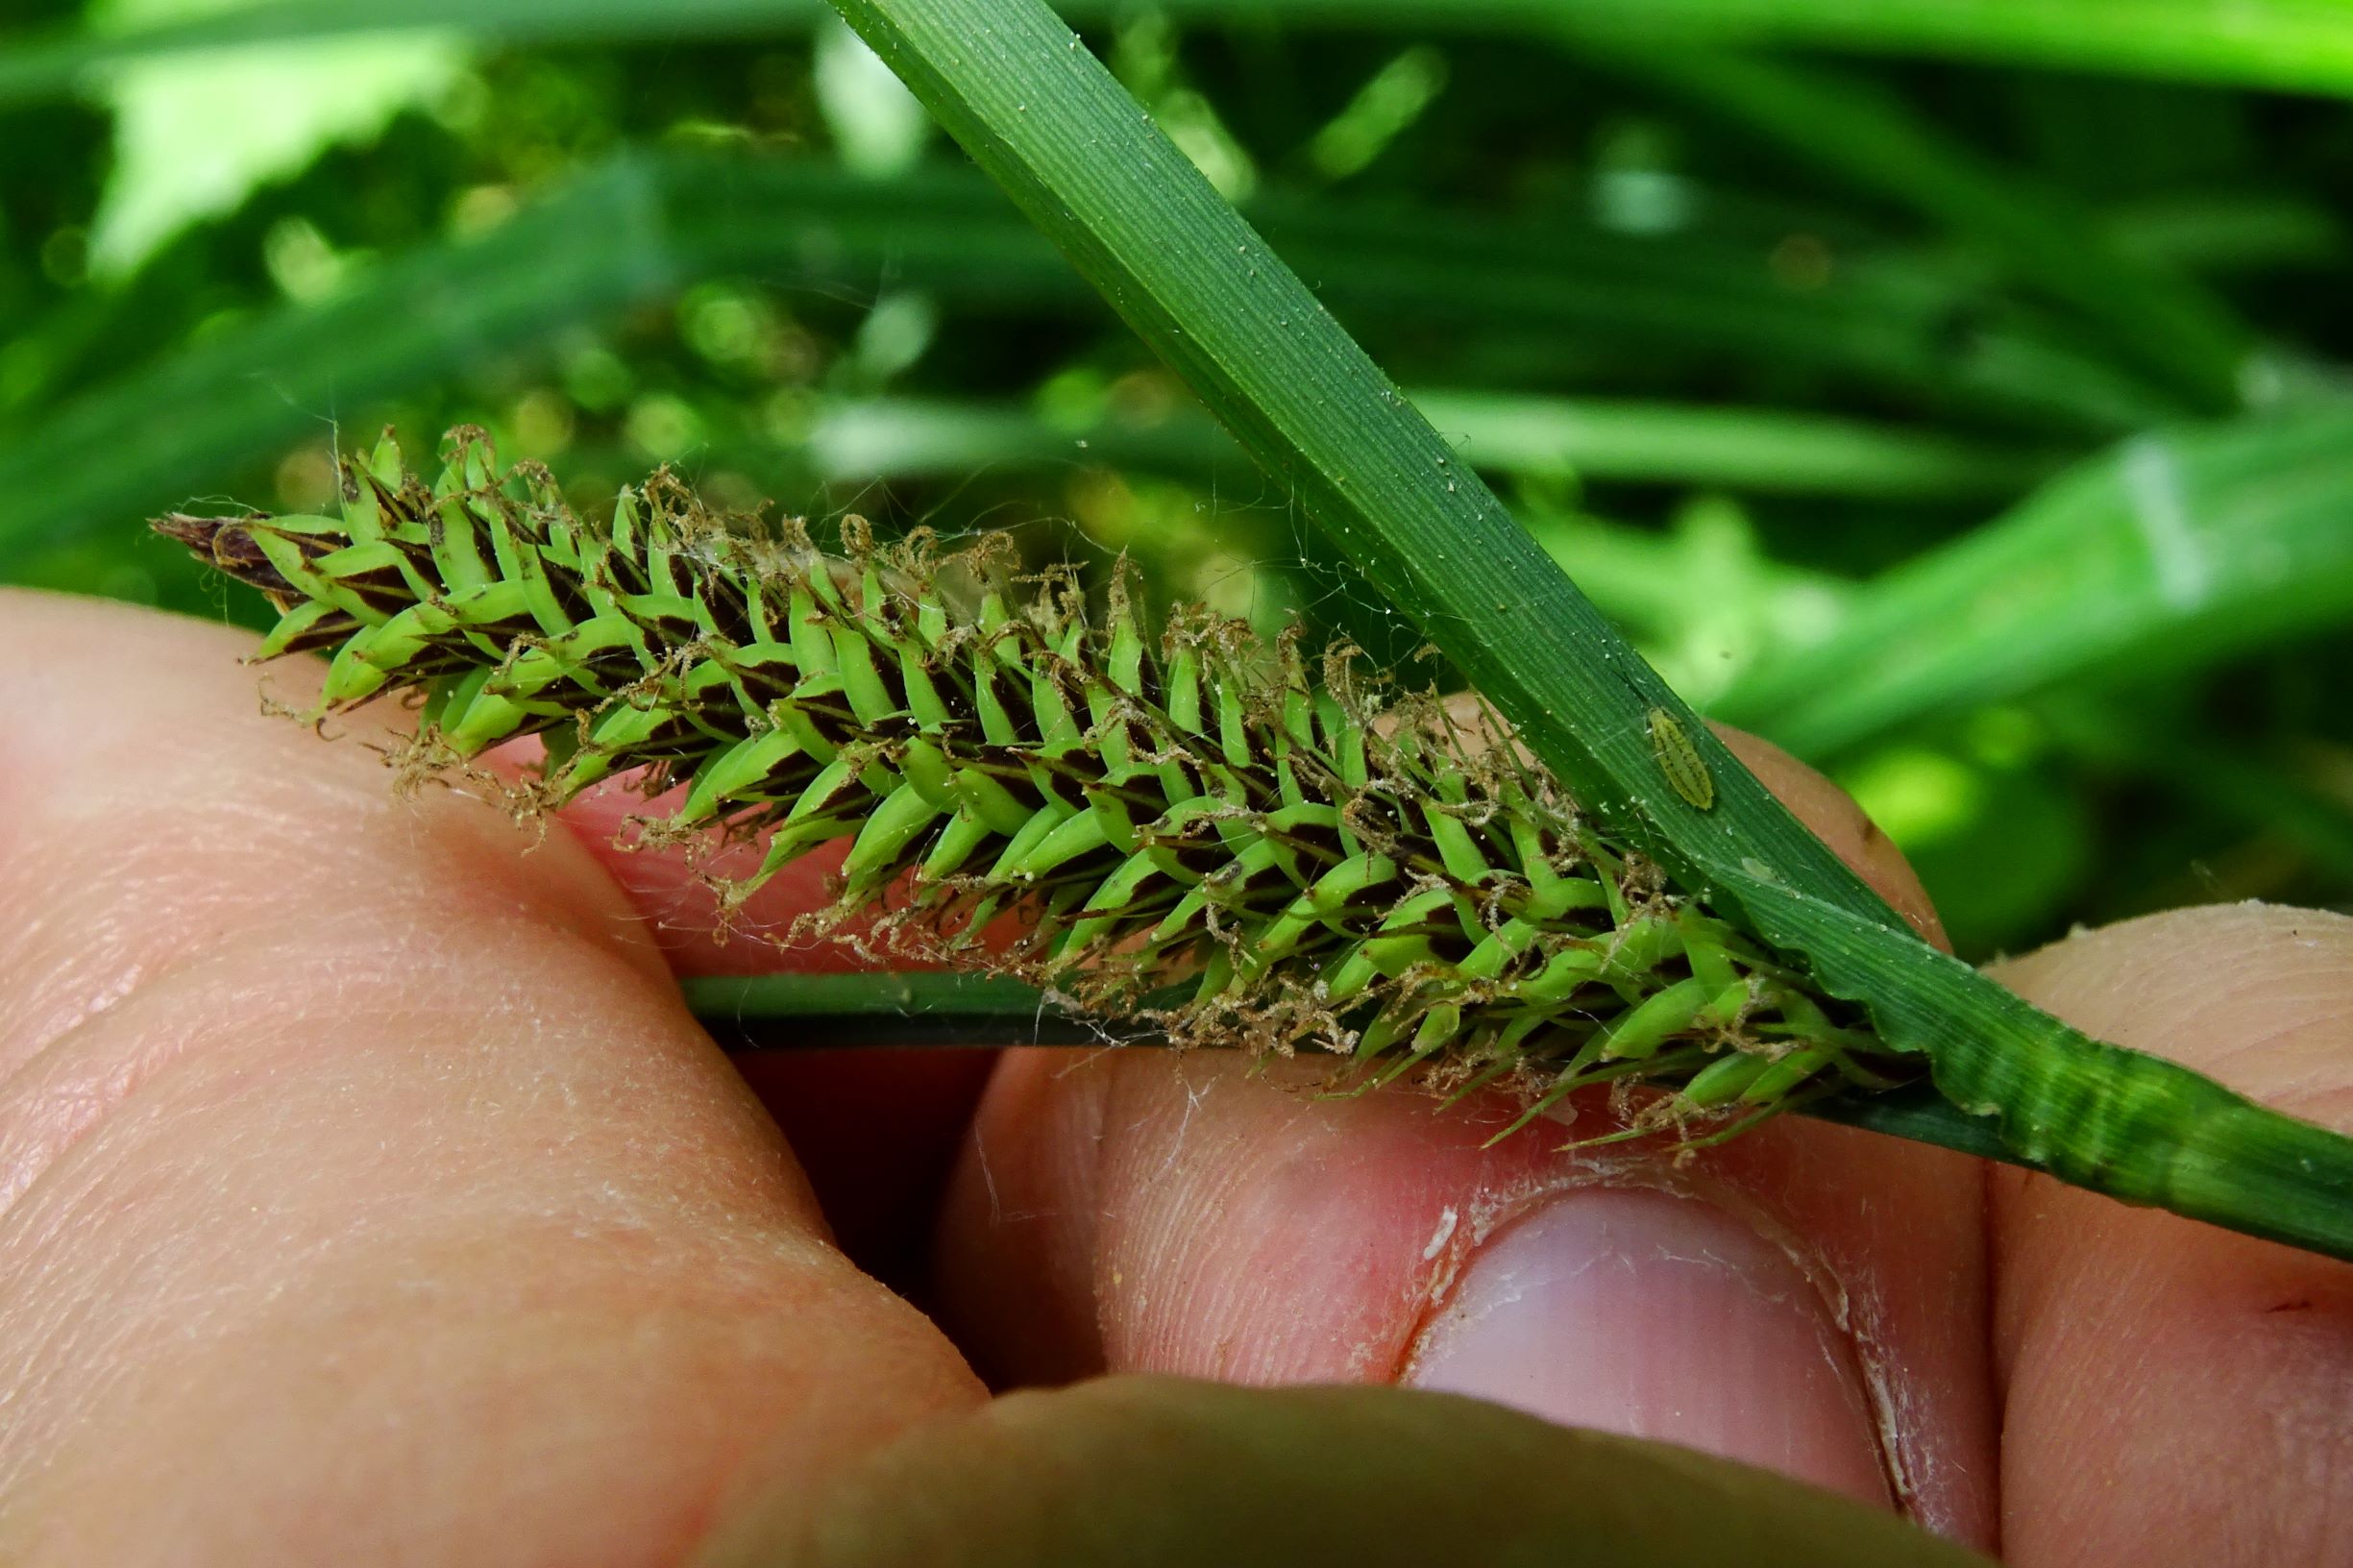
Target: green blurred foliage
(2032, 381)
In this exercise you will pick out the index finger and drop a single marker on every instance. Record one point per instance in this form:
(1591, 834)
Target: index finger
(368, 1194)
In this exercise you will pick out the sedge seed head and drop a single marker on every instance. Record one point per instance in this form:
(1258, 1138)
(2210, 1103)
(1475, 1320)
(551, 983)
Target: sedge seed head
(1192, 826)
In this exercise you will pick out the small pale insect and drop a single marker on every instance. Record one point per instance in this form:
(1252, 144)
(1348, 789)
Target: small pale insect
(1679, 760)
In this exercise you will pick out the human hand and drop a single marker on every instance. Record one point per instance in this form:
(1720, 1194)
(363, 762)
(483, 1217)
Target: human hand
(370, 1196)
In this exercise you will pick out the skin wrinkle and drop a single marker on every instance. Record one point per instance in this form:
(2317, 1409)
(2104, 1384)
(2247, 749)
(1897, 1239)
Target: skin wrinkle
(216, 885)
(255, 840)
(298, 1021)
(65, 1090)
(1925, 1475)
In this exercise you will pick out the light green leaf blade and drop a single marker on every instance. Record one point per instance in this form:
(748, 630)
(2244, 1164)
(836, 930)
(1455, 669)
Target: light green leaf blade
(178, 159)
(2176, 550)
(67, 59)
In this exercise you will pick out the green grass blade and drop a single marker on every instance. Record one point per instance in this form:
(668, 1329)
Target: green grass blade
(2176, 550)
(2298, 45)
(1737, 448)
(1020, 92)
(57, 61)
(2231, 231)
(1764, 450)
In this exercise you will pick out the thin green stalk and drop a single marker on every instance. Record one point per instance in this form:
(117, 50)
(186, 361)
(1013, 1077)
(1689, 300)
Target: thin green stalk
(921, 1010)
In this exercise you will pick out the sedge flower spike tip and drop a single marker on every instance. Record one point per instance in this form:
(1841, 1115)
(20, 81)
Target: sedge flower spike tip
(1196, 829)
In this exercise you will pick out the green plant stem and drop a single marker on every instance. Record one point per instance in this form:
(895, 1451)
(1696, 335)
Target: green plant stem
(923, 1010)
(2175, 549)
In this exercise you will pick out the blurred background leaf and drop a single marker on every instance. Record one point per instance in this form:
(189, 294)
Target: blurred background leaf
(1952, 390)
(180, 157)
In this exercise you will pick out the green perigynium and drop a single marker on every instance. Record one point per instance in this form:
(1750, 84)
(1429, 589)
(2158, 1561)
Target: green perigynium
(1198, 829)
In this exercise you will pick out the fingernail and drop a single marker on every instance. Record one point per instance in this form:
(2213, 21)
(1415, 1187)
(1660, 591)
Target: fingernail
(1660, 1316)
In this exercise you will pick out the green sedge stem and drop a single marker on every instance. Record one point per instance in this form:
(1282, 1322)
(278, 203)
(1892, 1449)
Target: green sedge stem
(926, 1011)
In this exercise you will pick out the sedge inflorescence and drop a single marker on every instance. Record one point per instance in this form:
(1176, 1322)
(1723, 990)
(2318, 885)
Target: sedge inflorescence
(1194, 828)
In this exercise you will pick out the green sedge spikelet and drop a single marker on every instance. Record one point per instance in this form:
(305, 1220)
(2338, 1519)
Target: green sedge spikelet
(1195, 829)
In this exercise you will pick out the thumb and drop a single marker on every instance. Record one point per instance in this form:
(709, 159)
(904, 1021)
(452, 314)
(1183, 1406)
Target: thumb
(1806, 1298)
